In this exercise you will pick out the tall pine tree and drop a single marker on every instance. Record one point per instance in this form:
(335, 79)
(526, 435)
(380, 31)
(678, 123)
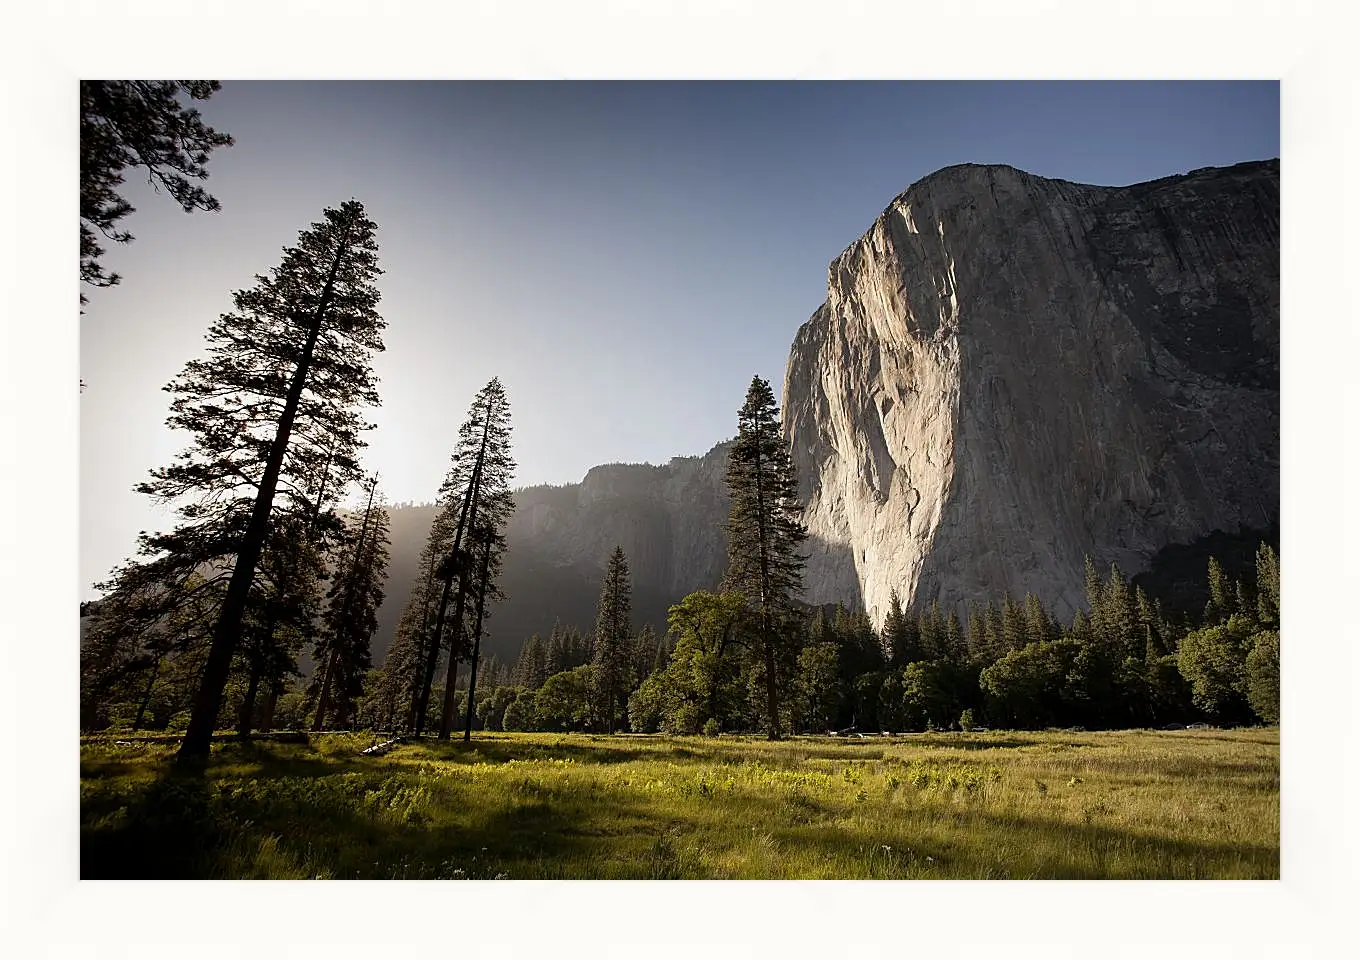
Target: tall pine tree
(488, 544)
(476, 490)
(357, 591)
(765, 533)
(531, 669)
(277, 396)
(901, 639)
(1267, 586)
(404, 670)
(613, 636)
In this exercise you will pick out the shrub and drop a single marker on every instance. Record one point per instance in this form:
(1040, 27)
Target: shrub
(966, 721)
(1213, 660)
(927, 700)
(289, 713)
(648, 705)
(712, 727)
(817, 687)
(491, 709)
(1263, 675)
(521, 713)
(121, 715)
(566, 701)
(1026, 686)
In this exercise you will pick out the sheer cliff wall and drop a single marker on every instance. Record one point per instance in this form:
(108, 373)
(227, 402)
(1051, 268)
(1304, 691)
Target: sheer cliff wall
(1012, 373)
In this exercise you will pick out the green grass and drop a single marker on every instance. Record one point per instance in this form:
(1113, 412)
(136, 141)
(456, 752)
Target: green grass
(1136, 804)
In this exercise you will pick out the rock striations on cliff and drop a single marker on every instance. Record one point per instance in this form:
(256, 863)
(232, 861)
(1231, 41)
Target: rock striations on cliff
(1011, 373)
(669, 519)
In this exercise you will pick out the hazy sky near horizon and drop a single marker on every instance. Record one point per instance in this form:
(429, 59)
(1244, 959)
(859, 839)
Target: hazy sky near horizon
(623, 255)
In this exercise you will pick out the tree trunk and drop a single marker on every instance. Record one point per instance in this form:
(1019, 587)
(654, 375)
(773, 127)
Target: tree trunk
(470, 505)
(477, 643)
(435, 641)
(455, 648)
(245, 718)
(326, 697)
(771, 690)
(432, 660)
(271, 699)
(323, 700)
(146, 697)
(420, 656)
(198, 738)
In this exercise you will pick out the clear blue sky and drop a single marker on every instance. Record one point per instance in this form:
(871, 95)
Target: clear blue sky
(624, 256)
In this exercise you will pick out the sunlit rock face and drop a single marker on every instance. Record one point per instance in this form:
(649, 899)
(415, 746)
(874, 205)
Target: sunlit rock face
(1012, 373)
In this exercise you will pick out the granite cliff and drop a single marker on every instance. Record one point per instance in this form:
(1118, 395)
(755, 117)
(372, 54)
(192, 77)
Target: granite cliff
(1011, 373)
(668, 519)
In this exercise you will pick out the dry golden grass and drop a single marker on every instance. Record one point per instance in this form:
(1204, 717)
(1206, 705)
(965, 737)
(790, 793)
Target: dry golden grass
(1133, 804)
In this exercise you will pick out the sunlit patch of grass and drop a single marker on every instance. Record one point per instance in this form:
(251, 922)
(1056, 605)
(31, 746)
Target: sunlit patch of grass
(520, 806)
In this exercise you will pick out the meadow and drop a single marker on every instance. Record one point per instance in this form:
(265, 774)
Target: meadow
(1192, 804)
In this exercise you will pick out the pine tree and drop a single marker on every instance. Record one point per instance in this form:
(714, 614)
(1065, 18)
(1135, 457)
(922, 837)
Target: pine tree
(995, 630)
(931, 628)
(1116, 617)
(476, 490)
(955, 647)
(1243, 604)
(489, 544)
(404, 667)
(1038, 624)
(487, 506)
(559, 657)
(531, 669)
(1013, 631)
(662, 658)
(613, 636)
(277, 396)
(578, 648)
(1147, 622)
(1267, 586)
(343, 655)
(284, 602)
(125, 124)
(1095, 592)
(765, 533)
(860, 648)
(977, 636)
(901, 639)
(1220, 605)
(644, 653)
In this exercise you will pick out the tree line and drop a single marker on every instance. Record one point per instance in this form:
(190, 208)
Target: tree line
(1008, 664)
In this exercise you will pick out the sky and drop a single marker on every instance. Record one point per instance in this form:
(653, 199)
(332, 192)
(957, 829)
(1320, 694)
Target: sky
(625, 256)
